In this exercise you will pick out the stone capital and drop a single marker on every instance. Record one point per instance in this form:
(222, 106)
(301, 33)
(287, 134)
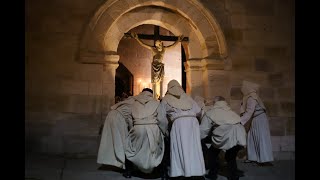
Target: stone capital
(213, 63)
(111, 61)
(104, 58)
(193, 64)
(206, 64)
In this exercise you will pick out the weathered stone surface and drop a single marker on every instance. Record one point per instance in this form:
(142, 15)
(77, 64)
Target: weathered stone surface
(276, 143)
(79, 124)
(81, 144)
(41, 85)
(40, 142)
(257, 38)
(38, 128)
(238, 21)
(45, 173)
(212, 45)
(239, 49)
(235, 93)
(287, 143)
(272, 108)
(235, 105)
(258, 77)
(235, 7)
(287, 107)
(276, 79)
(285, 93)
(56, 103)
(35, 103)
(284, 155)
(43, 161)
(88, 73)
(242, 63)
(290, 126)
(224, 20)
(81, 104)
(217, 79)
(52, 144)
(283, 64)
(234, 34)
(275, 51)
(71, 133)
(95, 88)
(266, 93)
(263, 65)
(260, 7)
(260, 23)
(83, 164)
(117, 9)
(277, 126)
(74, 87)
(218, 91)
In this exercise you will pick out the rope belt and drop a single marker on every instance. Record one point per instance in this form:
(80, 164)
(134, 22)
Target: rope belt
(255, 115)
(183, 116)
(145, 121)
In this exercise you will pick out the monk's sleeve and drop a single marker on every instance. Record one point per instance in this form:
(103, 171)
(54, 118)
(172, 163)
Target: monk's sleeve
(251, 104)
(205, 126)
(162, 118)
(198, 111)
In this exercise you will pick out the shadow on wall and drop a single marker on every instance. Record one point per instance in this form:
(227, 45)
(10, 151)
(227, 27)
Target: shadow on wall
(68, 122)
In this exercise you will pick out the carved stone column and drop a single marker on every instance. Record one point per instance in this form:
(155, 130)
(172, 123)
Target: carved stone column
(216, 78)
(193, 70)
(108, 81)
(109, 61)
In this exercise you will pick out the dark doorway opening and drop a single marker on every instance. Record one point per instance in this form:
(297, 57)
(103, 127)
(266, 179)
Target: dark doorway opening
(183, 73)
(123, 81)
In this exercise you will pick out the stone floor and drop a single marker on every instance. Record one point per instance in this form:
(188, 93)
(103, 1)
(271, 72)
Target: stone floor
(44, 167)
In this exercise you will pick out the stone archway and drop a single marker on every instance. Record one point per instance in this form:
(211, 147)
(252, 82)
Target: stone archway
(206, 50)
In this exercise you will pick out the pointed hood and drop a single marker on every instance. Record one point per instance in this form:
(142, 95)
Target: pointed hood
(250, 89)
(221, 114)
(176, 96)
(145, 105)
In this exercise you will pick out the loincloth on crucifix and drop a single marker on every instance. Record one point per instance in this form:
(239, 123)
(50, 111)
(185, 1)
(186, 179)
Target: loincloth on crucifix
(157, 72)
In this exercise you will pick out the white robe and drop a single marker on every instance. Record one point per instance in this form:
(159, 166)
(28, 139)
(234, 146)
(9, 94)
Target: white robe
(227, 131)
(186, 157)
(145, 143)
(115, 130)
(259, 147)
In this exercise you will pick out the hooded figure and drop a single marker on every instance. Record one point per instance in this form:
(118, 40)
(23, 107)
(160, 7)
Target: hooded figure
(250, 89)
(253, 115)
(115, 130)
(227, 131)
(186, 158)
(227, 135)
(145, 144)
(204, 104)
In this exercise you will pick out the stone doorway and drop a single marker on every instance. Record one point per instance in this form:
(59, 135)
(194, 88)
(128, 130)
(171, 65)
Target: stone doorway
(206, 51)
(138, 59)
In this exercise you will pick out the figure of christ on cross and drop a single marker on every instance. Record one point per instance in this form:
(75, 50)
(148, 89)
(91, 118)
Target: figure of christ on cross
(158, 50)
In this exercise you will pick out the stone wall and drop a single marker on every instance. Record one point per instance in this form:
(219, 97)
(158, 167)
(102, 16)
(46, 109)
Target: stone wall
(63, 97)
(65, 100)
(260, 37)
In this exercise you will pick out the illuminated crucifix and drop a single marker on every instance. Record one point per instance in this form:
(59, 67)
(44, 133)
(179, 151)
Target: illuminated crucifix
(158, 50)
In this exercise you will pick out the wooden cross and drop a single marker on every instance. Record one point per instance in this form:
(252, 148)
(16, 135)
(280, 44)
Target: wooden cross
(156, 36)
